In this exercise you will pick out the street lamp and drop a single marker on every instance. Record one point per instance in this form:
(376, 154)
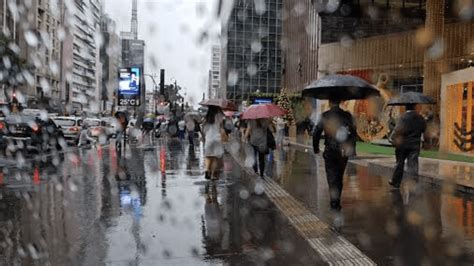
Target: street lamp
(155, 90)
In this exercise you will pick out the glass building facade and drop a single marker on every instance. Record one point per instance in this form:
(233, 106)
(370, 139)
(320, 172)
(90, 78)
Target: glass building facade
(251, 55)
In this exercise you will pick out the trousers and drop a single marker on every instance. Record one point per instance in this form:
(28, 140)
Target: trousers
(401, 155)
(260, 158)
(335, 165)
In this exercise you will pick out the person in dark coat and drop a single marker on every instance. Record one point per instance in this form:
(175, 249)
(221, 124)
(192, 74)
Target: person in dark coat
(340, 131)
(406, 138)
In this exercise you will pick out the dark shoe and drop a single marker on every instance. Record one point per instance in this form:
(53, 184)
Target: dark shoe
(336, 205)
(394, 185)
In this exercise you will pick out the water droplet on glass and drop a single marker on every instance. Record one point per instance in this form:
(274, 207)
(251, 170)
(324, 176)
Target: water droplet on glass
(31, 39)
(346, 41)
(259, 188)
(299, 9)
(252, 70)
(44, 85)
(260, 7)
(28, 77)
(233, 77)
(72, 186)
(244, 194)
(6, 62)
(373, 12)
(14, 47)
(436, 50)
(256, 46)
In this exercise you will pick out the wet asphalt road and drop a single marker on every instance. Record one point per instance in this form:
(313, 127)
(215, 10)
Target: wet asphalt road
(420, 225)
(151, 207)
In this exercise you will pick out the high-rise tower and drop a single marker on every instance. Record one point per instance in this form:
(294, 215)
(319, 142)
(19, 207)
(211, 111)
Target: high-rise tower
(134, 24)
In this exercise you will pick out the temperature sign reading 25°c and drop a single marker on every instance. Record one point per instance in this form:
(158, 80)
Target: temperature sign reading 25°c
(129, 86)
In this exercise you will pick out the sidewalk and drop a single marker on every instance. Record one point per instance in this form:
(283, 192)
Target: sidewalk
(439, 172)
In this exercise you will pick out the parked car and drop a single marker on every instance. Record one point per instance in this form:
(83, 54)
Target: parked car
(22, 134)
(51, 134)
(70, 127)
(27, 133)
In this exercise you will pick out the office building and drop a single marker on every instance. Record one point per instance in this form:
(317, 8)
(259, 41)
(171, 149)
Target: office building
(133, 50)
(251, 55)
(81, 68)
(33, 27)
(400, 45)
(214, 74)
(110, 57)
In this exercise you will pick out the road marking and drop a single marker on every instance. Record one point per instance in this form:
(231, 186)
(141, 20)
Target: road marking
(333, 248)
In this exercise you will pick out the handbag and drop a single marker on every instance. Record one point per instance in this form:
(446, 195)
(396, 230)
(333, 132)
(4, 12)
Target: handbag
(271, 144)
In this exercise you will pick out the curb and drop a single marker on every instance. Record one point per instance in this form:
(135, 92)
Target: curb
(439, 181)
(331, 247)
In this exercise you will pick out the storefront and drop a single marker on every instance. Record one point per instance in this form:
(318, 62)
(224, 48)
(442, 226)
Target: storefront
(457, 112)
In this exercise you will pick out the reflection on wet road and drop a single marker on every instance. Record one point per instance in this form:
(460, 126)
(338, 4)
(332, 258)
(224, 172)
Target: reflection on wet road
(420, 225)
(151, 208)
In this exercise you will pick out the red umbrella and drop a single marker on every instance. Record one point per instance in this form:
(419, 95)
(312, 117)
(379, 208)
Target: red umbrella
(222, 103)
(257, 111)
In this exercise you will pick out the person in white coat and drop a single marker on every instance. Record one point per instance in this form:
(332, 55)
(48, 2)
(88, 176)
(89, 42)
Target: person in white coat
(213, 146)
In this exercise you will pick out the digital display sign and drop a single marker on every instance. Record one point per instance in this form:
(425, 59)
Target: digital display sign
(129, 86)
(262, 100)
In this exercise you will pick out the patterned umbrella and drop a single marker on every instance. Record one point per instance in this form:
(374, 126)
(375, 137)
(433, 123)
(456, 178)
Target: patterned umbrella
(257, 111)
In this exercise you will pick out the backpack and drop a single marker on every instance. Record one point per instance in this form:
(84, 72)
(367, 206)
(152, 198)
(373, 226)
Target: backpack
(348, 134)
(270, 140)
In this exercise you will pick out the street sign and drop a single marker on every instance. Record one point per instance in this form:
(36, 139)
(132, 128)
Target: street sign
(129, 86)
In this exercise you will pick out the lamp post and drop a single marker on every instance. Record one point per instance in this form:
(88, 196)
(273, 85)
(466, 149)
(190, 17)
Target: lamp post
(155, 90)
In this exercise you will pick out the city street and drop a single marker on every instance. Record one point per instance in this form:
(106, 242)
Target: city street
(151, 208)
(265, 132)
(415, 226)
(154, 207)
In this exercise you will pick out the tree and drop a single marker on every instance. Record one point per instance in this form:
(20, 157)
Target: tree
(284, 102)
(11, 65)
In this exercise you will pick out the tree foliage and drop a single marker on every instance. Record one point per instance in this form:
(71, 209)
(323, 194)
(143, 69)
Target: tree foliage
(284, 102)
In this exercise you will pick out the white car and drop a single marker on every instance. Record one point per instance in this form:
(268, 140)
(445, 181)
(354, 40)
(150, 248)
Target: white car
(70, 126)
(95, 126)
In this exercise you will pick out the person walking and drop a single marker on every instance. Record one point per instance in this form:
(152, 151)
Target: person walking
(406, 137)
(181, 129)
(85, 137)
(280, 131)
(256, 134)
(340, 131)
(213, 146)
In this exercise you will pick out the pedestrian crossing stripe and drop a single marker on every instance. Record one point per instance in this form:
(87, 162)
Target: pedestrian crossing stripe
(333, 248)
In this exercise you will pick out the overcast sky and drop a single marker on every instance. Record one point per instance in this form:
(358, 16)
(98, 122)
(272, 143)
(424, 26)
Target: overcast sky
(172, 30)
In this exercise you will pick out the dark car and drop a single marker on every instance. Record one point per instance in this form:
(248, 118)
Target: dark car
(51, 134)
(27, 133)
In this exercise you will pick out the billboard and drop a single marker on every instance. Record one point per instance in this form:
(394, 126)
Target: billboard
(129, 86)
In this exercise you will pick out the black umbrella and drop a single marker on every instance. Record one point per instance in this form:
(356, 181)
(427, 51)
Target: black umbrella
(340, 87)
(411, 98)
